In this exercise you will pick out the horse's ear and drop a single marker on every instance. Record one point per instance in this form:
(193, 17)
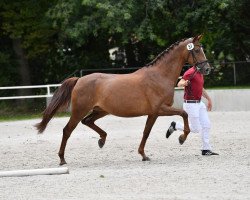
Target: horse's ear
(197, 38)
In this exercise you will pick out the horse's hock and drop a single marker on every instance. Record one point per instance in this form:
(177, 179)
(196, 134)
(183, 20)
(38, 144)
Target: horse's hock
(223, 100)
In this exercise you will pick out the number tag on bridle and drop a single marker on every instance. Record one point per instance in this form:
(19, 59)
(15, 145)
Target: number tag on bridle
(190, 46)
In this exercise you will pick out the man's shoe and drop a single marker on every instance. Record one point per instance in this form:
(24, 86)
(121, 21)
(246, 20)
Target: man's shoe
(171, 129)
(208, 153)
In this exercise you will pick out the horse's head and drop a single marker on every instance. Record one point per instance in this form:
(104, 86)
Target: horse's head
(196, 55)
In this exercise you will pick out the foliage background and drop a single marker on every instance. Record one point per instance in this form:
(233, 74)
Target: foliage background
(44, 41)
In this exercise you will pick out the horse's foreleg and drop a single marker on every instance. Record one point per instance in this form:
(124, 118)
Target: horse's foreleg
(89, 121)
(169, 111)
(183, 137)
(149, 124)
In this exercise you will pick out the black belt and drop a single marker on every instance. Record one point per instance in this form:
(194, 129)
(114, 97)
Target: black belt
(192, 101)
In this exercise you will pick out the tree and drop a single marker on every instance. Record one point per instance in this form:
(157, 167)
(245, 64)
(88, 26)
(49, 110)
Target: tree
(55, 38)
(23, 23)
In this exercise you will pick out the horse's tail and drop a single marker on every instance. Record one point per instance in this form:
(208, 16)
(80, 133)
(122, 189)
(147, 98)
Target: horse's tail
(60, 100)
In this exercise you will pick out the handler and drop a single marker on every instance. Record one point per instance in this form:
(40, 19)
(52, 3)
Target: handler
(199, 122)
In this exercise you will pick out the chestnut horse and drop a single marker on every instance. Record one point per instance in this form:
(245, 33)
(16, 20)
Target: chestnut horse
(147, 91)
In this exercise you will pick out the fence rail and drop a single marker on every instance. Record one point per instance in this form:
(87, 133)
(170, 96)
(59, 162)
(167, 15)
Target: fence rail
(48, 87)
(49, 94)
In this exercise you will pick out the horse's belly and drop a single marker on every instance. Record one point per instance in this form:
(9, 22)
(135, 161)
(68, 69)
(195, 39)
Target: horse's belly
(126, 106)
(128, 111)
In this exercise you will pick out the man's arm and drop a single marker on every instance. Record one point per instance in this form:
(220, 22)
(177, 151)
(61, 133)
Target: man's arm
(209, 101)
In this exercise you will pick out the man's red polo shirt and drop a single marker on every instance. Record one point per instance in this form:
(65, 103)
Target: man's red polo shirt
(194, 90)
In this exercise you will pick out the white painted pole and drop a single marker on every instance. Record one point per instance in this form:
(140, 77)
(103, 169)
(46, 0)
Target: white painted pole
(34, 172)
(48, 90)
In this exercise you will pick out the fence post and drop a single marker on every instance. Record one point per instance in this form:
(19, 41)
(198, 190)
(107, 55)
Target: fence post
(48, 98)
(234, 68)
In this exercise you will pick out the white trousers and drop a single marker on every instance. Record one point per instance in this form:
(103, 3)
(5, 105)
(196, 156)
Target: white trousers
(198, 122)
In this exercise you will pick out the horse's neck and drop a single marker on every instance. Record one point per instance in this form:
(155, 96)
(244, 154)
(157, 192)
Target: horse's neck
(171, 66)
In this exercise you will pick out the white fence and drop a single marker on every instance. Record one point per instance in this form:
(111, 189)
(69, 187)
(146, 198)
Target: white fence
(48, 93)
(223, 100)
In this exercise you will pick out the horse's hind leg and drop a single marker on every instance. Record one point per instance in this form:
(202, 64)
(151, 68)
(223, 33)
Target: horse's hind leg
(89, 121)
(66, 134)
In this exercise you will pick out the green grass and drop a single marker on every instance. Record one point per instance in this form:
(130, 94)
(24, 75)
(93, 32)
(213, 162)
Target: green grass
(26, 116)
(24, 110)
(15, 117)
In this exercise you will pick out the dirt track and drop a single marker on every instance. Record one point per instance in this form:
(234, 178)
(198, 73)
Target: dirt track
(117, 172)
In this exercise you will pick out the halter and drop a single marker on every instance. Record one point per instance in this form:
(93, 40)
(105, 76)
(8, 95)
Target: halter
(198, 65)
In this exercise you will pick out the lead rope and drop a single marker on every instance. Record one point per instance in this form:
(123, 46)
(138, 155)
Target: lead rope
(189, 87)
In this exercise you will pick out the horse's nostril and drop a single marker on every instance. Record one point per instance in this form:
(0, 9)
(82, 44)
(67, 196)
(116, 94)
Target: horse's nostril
(208, 70)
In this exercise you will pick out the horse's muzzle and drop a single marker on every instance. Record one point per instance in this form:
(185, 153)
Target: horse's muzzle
(204, 67)
(207, 71)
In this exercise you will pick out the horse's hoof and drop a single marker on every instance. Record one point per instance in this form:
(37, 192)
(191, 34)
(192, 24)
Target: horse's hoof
(146, 159)
(101, 143)
(62, 163)
(181, 140)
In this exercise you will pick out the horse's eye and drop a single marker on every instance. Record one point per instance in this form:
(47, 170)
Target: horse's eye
(197, 50)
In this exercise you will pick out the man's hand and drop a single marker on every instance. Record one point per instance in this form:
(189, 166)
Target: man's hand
(183, 83)
(209, 101)
(209, 105)
(186, 83)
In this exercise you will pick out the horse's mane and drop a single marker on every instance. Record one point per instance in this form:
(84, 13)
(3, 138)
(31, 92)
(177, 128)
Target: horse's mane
(164, 52)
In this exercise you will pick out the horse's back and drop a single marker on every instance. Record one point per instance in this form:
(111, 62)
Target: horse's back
(87, 85)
